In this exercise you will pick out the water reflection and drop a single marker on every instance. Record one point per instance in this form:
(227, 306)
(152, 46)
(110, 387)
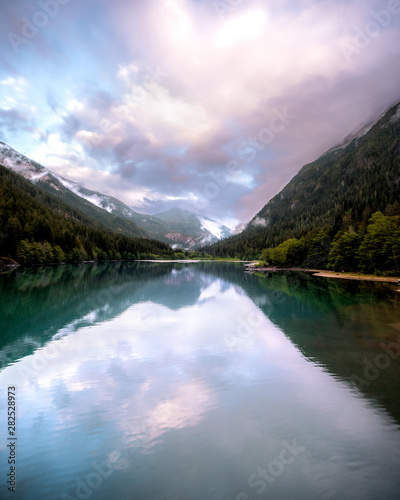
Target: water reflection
(347, 327)
(187, 381)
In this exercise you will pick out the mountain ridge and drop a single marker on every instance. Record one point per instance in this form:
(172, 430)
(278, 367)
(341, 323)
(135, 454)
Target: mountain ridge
(363, 174)
(36, 228)
(39, 175)
(196, 231)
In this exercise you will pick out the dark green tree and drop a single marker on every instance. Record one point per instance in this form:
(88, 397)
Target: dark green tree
(344, 254)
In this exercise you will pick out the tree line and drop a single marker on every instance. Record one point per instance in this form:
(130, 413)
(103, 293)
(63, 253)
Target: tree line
(37, 228)
(369, 246)
(360, 178)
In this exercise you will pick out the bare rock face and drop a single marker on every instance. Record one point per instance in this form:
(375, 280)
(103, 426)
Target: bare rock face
(181, 239)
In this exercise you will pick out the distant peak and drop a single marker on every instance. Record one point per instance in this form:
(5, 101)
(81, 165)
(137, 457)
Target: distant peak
(176, 211)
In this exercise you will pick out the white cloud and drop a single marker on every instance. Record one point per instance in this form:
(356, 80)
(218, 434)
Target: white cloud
(247, 26)
(18, 82)
(174, 88)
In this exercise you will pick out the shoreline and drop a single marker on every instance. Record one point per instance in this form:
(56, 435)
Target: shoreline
(322, 273)
(191, 261)
(11, 267)
(358, 277)
(250, 267)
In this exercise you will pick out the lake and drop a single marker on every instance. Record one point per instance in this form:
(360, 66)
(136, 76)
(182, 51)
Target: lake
(198, 381)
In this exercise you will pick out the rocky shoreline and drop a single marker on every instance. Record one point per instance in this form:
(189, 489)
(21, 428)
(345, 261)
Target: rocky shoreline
(253, 268)
(7, 265)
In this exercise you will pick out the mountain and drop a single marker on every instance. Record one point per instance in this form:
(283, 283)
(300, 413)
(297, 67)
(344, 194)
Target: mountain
(94, 205)
(178, 227)
(192, 230)
(357, 178)
(37, 227)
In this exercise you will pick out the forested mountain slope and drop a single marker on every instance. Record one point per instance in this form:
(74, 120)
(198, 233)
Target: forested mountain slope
(37, 227)
(360, 178)
(179, 227)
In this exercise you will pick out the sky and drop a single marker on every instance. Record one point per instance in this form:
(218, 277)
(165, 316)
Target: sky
(209, 105)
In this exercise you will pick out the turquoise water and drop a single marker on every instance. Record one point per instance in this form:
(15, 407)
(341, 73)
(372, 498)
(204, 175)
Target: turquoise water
(198, 381)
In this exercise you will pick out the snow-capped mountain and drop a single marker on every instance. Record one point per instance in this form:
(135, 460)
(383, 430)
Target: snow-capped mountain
(37, 173)
(90, 203)
(217, 229)
(180, 228)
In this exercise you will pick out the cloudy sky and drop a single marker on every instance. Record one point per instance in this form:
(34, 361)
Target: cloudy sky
(210, 105)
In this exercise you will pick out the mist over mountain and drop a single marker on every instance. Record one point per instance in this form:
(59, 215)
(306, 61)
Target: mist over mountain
(360, 177)
(353, 180)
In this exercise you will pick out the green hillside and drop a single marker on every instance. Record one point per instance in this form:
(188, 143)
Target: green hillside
(37, 227)
(336, 193)
(109, 220)
(176, 226)
(113, 213)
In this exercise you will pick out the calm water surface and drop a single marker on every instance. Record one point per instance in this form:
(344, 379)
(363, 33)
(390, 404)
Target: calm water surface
(197, 381)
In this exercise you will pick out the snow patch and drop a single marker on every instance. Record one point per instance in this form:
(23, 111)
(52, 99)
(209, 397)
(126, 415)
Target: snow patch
(76, 189)
(33, 172)
(212, 227)
(21, 165)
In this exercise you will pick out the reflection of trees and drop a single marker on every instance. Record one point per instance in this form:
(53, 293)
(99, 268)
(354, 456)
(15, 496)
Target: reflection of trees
(37, 303)
(338, 324)
(342, 326)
